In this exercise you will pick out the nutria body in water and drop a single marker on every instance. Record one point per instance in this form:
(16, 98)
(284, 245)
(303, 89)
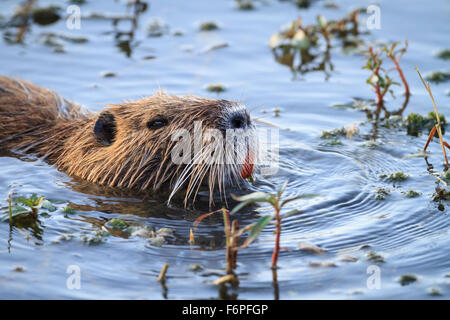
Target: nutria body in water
(127, 145)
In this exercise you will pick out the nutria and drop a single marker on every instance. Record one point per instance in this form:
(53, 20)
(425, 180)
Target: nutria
(127, 145)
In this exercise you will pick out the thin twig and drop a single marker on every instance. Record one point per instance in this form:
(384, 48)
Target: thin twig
(162, 274)
(191, 237)
(438, 125)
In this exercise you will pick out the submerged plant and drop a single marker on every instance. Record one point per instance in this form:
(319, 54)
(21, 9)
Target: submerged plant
(382, 194)
(407, 279)
(216, 88)
(233, 231)
(232, 234)
(444, 54)
(245, 5)
(333, 134)
(374, 257)
(416, 123)
(302, 4)
(275, 200)
(438, 76)
(27, 207)
(395, 177)
(208, 26)
(412, 194)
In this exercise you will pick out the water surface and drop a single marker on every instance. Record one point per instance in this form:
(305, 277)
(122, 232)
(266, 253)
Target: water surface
(345, 217)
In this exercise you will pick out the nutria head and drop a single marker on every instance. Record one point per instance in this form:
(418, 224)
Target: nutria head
(163, 140)
(147, 144)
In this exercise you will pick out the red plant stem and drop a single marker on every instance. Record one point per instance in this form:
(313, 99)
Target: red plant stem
(378, 91)
(402, 76)
(276, 250)
(376, 73)
(379, 94)
(276, 290)
(377, 85)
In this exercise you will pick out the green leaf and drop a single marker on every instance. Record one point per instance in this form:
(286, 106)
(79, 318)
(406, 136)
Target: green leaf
(302, 196)
(343, 106)
(38, 202)
(255, 196)
(25, 201)
(281, 189)
(257, 228)
(15, 211)
(18, 210)
(34, 197)
(291, 213)
(251, 198)
(240, 206)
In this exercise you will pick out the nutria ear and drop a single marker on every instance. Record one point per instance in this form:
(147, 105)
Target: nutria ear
(105, 128)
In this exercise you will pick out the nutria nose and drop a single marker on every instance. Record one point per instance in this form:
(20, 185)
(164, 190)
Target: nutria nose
(240, 120)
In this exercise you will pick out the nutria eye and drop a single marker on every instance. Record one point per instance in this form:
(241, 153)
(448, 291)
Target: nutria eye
(157, 123)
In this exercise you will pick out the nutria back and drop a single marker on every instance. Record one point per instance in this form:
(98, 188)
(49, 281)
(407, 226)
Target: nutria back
(31, 114)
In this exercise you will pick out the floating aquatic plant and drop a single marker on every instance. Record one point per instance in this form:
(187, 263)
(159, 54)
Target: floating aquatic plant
(438, 76)
(334, 135)
(407, 279)
(412, 194)
(382, 193)
(217, 88)
(245, 5)
(416, 123)
(374, 257)
(398, 176)
(434, 292)
(46, 16)
(302, 4)
(208, 26)
(117, 224)
(444, 54)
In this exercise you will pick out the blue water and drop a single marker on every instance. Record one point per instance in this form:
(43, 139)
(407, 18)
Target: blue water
(412, 235)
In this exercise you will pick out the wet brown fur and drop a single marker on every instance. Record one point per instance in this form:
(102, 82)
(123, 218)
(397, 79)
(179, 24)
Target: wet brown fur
(37, 121)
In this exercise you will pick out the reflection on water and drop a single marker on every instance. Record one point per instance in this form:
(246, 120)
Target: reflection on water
(122, 240)
(125, 40)
(307, 62)
(306, 48)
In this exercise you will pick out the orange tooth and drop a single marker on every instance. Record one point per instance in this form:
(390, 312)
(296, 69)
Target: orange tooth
(247, 168)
